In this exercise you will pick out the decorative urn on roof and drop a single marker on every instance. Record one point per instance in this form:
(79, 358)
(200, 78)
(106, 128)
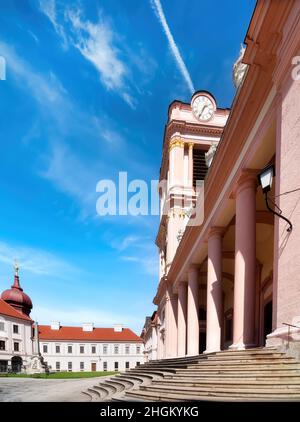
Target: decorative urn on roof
(239, 69)
(16, 297)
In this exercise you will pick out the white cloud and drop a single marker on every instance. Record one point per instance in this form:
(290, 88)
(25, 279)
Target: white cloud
(36, 261)
(129, 100)
(47, 90)
(126, 242)
(99, 45)
(34, 37)
(69, 172)
(148, 264)
(72, 176)
(100, 318)
(48, 8)
(96, 42)
(157, 7)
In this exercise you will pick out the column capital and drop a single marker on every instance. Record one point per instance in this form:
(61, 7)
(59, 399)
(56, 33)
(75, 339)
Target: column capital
(247, 178)
(215, 231)
(191, 145)
(176, 142)
(193, 268)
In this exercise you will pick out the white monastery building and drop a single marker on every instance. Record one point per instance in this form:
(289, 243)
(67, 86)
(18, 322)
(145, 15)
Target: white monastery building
(90, 349)
(57, 347)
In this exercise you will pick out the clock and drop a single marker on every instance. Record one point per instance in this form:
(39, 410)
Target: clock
(203, 108)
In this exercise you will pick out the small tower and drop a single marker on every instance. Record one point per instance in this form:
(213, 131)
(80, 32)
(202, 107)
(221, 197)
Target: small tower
(192, 133)
(15, 295)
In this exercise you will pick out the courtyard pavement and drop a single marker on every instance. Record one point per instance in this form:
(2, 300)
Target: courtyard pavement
(37, 390)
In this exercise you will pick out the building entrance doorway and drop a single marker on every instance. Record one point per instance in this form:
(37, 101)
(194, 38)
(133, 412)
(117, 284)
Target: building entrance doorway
(16, 364)
(268, 310)
(94, 367)
(3, 365)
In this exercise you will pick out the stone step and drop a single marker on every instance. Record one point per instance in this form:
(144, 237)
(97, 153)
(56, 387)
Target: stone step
(235, 376)
(246, 365)
(253, 357)
(179, 359)
(87, 395)
(240, 383)
(135, 379)
(170, 364)
(127, 399)
(94, 393)
(177, 397)
(249, 352)
(154, 370)
(260, 374)
(119, 385)
(233, 370)
(223, 391)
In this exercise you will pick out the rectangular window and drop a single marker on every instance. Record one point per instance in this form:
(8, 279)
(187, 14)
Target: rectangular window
(81, 366)
(81, 349)
(127, 349)
(138, 350)
(70, 366)
(126, 365)
(15, 329)
(199, 165)
(57, 349)
(116, 349)
(116, 366)
(2, 345)
(1, 326)
(57, 366)
(45, 348)
(70, 349)
(105, 348)
(93, 349)
(16, 347)
(104, 366)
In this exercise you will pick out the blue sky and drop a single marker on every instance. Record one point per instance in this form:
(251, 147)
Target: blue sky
(86, 94)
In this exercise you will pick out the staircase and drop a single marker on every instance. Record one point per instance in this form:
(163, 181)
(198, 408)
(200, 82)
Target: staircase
(261, 374)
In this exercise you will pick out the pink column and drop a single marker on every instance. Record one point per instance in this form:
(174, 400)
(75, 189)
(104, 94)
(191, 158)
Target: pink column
(181, 324)
(171, 323)
(214, 291)
(176, 166)
(191, 166)
(192, 312)
(245, 262)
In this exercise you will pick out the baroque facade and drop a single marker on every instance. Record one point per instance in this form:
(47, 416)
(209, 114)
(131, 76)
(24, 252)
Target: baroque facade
(232, 280)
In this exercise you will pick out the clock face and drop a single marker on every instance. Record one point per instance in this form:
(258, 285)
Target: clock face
(203, 108)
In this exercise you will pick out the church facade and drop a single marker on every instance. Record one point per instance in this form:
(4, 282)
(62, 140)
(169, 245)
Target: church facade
(28, 347)
(232, 279)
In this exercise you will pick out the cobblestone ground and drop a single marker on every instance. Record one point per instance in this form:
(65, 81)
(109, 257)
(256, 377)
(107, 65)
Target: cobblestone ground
(34, 390)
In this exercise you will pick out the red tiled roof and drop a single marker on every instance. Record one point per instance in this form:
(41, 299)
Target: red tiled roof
(6, 309)
(77, 333)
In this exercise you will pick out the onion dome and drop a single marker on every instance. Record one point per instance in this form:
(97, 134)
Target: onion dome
(15, 296)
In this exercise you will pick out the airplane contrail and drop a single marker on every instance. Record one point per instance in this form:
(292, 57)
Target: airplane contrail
(156, 4)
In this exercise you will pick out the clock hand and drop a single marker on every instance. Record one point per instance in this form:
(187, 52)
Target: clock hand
(200, 112)
(203, 109)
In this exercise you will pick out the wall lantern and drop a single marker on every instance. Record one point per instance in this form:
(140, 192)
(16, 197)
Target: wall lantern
(265, 179)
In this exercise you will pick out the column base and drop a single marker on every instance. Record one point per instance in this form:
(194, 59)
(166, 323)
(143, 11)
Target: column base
(192, 354)
(242, 346)
(207, 352)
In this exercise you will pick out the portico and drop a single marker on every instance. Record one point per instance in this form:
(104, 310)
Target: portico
(232, 281)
